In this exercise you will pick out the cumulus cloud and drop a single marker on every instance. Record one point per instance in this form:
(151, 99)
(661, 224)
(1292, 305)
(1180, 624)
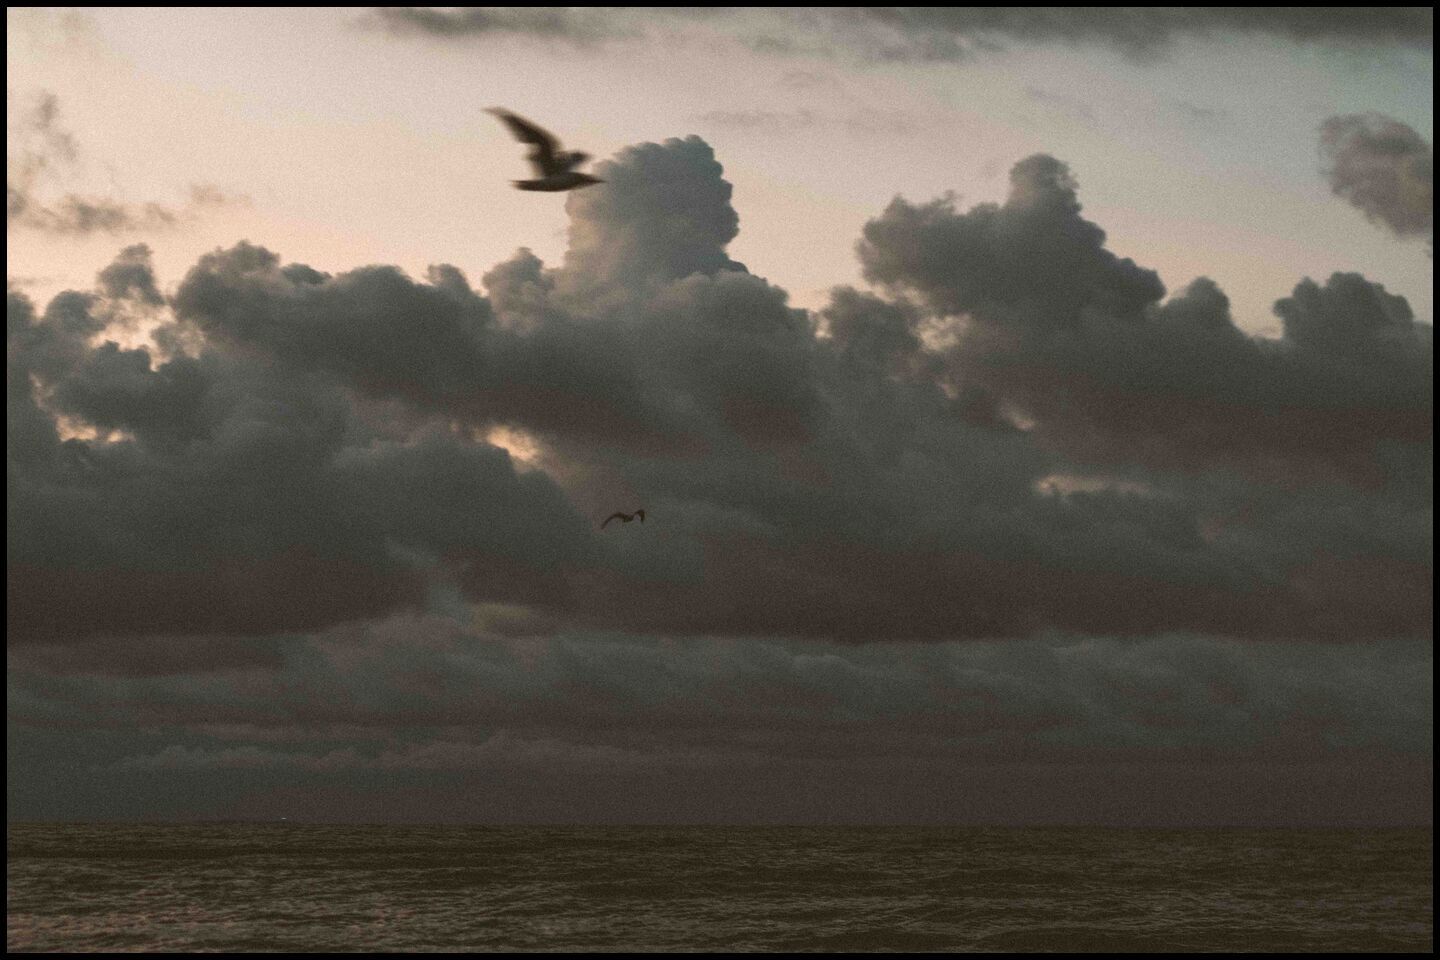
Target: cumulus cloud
(1079, 340)
(1384, 168)
(635, 233)
(1017, 432)
(1009, 517)
(231, 495)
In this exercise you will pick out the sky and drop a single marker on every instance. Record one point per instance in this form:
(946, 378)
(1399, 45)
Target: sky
(1032, 409)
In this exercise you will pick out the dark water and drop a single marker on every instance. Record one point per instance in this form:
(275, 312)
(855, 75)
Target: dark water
(283, 887)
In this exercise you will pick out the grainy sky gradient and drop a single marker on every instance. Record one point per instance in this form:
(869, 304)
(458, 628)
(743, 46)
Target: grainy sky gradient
(1032, 411)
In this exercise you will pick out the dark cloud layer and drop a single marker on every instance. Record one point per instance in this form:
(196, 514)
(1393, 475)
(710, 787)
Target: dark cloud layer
(937, 34)
(1010, 511)
(946, 33)
(1384, 168)
(571, 25)
(592, 728)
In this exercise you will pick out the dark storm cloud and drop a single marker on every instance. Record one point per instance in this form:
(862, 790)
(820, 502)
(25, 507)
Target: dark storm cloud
(1020, 435)
(1384, 168)
(1034, 255)
(589, 352)
(276, 556)
(234, 495)
(941, 34)
(1078, 339)
(630, 238)
(41, 152)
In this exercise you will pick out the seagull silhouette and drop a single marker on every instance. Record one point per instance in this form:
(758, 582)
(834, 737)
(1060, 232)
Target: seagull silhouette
(554, 168)
(624, 517)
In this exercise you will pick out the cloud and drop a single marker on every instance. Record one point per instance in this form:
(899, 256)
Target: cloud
(1014, 432)
(1035, 254)
(1384, 168)
(1062, 103)
(39, 145)
(578, 724)
(1051, 697)
(1073, 693)
(501, 750)
(937, 34)
(130, 277)
(952, 33)
(770, 123)
(232, 495)
(80, 216)
(54, 32)
(1197, 112)
(1078, 339)
(634, 233)
(579, 27)
(41, 152)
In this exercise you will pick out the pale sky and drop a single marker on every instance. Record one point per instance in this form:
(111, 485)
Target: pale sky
(351, 145)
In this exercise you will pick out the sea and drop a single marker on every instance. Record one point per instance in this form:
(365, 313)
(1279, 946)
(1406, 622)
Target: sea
(323, 888)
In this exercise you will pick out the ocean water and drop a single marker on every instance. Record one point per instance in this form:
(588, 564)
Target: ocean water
(261, 887)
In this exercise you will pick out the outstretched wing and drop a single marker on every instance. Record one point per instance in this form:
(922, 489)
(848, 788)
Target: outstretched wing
(613, 516)
(545, 153)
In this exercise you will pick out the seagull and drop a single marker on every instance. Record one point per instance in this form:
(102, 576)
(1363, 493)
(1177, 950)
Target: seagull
(624, 517)
(554, 168)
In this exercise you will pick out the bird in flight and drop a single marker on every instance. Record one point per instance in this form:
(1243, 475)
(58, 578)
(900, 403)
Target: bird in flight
(624, 517)
(554, 168)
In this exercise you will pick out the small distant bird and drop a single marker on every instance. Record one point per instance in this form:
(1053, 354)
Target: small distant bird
(624, 517)
(554, 168)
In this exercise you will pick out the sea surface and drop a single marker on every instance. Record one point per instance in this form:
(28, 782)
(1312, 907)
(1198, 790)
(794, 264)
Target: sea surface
(270, 887)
